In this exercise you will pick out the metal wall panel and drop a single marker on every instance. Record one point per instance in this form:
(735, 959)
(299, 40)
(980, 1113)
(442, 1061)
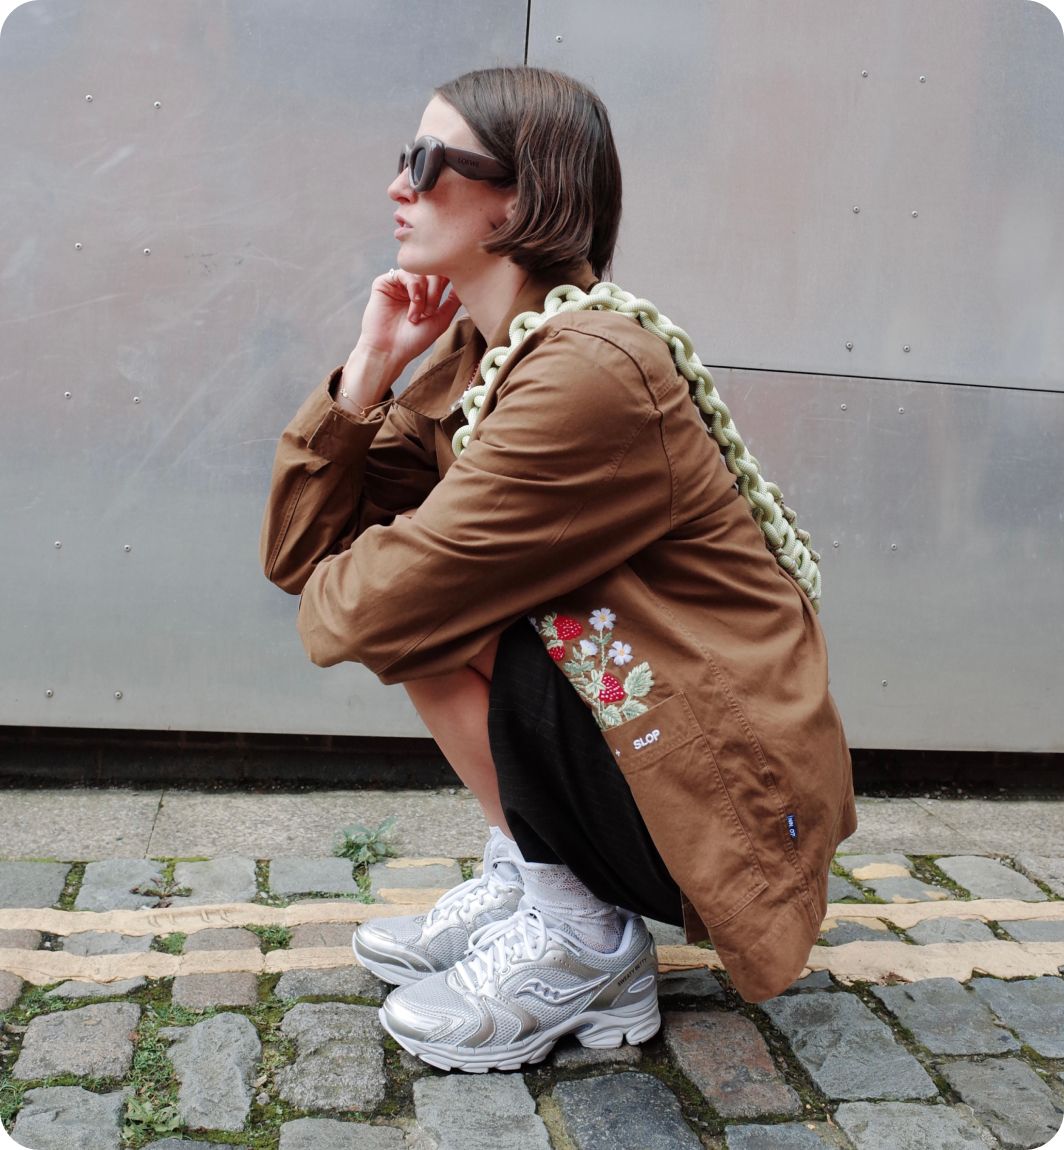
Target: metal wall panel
(258, 185)
(748, 135)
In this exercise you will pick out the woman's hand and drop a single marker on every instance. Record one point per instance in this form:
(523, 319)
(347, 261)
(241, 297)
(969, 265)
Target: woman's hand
(405, 315)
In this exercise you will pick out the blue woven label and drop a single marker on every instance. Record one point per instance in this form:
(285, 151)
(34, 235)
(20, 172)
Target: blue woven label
(792, 826)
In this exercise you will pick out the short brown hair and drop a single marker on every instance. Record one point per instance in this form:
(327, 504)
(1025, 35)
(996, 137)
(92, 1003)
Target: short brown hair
(555, 134)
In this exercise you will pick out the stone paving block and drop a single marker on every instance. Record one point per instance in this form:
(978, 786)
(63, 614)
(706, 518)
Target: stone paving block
(934, 930)
(907, 890)
(666, 933)
(689, 984)
(909, 1126)
(814, 980)
(785, 1136)
(32, 884)
(340, 1060)
(626, 1111)
(234, 988)
(987, 878)
(463, 1111)
(108, 885)
(945, 1017)
(1009, 1098)
(569, 1053)
(839, 888)
(321, 934)
(1030, 1007)
(892, 864)
(1035, 929)
(227, 879)
(20, 939)
(394, 874)
(215, 1061)
(93, 942)
(10, 989)
(69, 1118)
(117, 989)
(92, 1042)
(312, 875)
(857, 930)
(1044, 868)
(351, 981)
(180, 1144)
(846, 1050)
(330, 1134)
(724, 1055)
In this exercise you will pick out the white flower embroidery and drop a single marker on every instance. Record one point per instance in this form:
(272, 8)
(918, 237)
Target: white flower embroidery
(602, 618)
(587, 648)
(620, 653)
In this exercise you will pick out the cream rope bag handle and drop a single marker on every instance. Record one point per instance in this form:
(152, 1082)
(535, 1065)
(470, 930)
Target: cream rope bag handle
(778, 523)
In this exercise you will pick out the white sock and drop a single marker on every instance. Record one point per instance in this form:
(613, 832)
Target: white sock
(565, 902)
(502, 855)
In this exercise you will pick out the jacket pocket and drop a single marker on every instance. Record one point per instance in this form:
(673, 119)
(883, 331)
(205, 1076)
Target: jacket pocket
(677, 785)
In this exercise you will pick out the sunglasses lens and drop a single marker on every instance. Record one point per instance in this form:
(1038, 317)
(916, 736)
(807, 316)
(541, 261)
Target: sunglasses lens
(418, 159)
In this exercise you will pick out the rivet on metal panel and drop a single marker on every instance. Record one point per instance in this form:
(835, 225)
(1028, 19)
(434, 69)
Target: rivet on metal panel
(126, 547)
(557, 39)
(118, 694)
(77, 247)
(923, 79)
(849, 345)
(58, 544)
(894, 547)
(157, 104)
(136, 399)
(49, 693)
(147, 251)
(906, 348)
(916, 215)
(865, 74)
(884, 682)
(901, 410)
(66, 394)
(842, 407)
(856, 209)
(834, 543)
(88, 99)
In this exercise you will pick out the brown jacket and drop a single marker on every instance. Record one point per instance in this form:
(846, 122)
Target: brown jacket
(591, 499)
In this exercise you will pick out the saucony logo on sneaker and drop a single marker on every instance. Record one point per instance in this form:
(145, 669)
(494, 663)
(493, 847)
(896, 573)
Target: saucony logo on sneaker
(555, 995)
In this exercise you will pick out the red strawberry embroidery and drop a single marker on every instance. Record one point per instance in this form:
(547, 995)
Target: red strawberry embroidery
(612, 691)
(556, 653)
(567, 627)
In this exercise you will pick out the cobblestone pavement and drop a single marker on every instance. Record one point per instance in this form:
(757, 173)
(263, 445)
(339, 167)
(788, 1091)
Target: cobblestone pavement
(184, 1003)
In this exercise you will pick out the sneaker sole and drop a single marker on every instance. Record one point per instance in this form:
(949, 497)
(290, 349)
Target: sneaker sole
(393, 974)
(599, 1029)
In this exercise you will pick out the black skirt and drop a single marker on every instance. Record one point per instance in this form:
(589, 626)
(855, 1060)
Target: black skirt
(563, 794)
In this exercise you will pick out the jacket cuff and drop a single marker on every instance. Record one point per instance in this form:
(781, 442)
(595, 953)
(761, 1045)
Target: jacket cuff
(332, 431)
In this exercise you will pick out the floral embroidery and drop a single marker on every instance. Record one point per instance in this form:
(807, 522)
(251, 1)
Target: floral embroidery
(584, 662)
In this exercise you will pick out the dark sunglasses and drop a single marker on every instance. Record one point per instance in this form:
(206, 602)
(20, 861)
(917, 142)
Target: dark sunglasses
(426, 156)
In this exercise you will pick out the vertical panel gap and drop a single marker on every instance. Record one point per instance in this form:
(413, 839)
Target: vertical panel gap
(528, 27)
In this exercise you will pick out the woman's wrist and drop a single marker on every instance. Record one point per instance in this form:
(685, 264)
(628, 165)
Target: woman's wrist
(365, 380)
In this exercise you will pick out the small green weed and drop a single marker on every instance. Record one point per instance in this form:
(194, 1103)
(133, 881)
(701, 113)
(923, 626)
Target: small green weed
(148, 1118)
(272, 937)
(364, 845)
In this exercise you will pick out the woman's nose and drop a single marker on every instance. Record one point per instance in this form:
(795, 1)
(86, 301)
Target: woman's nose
(399, 189)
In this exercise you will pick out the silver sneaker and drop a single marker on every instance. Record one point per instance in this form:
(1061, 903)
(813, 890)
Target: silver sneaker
(405, 949)
(523, 985)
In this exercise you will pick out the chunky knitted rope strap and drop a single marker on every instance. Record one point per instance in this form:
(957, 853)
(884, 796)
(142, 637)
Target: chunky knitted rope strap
(788, 542)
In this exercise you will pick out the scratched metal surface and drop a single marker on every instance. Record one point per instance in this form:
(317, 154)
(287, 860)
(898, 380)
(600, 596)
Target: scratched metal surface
(258, 186)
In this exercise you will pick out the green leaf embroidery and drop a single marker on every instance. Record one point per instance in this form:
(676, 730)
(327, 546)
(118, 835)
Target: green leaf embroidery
(632, 708)
(638, 681)
(611, 716)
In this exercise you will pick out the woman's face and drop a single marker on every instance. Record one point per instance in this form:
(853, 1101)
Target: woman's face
(439, 231)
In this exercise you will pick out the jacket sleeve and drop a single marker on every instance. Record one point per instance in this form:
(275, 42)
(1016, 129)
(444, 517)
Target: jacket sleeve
(336, 474)
(565, 479)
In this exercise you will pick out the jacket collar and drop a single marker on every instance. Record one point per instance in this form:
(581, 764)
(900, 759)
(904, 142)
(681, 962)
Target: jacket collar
(434, 392)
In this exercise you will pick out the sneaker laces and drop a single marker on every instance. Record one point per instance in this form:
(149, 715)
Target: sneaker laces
(493, 947)
(468, 897)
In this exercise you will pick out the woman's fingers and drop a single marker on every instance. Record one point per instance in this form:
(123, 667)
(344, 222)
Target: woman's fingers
(422, 294)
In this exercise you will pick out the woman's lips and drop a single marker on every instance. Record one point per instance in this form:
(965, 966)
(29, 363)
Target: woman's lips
(402, 227)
